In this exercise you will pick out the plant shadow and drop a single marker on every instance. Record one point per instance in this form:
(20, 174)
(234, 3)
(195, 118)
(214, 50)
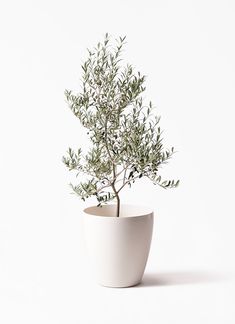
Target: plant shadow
(180, 278)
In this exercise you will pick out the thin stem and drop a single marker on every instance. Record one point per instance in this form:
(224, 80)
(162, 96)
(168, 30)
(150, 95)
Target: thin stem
(119, 173)
(126, 183)
(103, 187)
(124, 176)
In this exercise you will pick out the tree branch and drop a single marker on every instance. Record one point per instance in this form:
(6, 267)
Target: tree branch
(105, 186)
(134, 178)
(119, 173)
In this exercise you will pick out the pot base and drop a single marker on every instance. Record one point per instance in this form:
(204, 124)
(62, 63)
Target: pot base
(121, 286)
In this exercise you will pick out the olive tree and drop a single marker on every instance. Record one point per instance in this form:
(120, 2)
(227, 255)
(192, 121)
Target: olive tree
(126, 139)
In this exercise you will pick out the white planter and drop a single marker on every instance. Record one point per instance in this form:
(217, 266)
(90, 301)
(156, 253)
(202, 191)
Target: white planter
(118, 247)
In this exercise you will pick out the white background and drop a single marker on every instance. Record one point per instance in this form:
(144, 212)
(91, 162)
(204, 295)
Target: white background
(187, 51)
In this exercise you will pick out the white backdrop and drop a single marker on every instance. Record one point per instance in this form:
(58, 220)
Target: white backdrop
(187, 50)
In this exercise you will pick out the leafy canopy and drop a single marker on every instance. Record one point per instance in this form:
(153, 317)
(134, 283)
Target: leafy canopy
(125, 134)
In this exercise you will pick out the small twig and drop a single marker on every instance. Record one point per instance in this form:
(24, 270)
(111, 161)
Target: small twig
(106, 186)
(134, 178)
(124, 176)
(119, 173)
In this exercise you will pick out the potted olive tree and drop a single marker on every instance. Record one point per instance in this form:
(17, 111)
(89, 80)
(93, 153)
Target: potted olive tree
(126, 145)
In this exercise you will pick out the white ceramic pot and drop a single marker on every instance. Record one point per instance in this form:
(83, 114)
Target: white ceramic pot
(118, 247)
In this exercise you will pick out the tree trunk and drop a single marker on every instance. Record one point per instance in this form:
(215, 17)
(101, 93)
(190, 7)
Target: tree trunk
(118, 206)
(118, 199)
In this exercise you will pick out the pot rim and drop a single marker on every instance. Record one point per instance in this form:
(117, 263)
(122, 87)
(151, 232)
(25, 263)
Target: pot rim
(132, 211)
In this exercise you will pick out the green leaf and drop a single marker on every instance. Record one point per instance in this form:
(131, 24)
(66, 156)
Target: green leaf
(124, 132)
